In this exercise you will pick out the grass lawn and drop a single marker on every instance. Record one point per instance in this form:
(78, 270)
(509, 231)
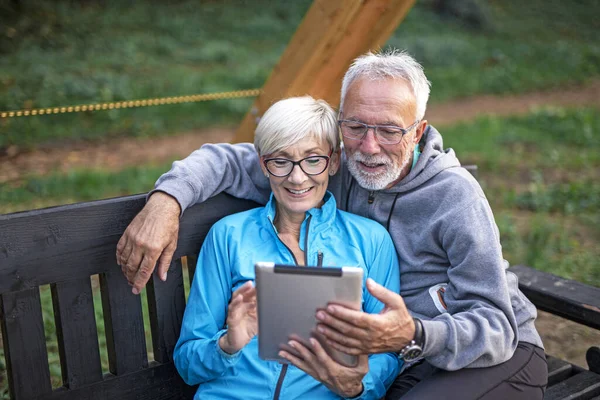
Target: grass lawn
(68, 53)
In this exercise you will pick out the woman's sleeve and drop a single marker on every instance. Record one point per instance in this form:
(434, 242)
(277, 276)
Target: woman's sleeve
(383, 368)
(197, 354)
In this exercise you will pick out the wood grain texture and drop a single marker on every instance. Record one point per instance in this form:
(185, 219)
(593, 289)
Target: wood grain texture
(76, 332)
(123, 323)
(166, 304)
(25, 344)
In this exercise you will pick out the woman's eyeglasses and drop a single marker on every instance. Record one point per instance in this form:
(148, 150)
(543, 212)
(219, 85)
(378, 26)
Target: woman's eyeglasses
(313, 165)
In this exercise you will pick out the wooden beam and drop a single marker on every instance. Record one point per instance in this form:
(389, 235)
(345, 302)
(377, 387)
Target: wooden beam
(330, 36)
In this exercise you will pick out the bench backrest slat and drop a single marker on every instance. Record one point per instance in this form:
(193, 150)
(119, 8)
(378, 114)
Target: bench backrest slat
(166, 305)
(124, 324)
(25, 344)
(62, 243)
(76, 332)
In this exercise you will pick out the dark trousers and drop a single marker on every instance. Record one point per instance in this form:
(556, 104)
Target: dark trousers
(524, 376)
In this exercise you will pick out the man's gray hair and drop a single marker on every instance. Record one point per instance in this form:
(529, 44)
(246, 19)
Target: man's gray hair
(392, 64)
(290, 120)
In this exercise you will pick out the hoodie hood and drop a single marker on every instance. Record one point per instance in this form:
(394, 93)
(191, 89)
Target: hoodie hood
(433, 160)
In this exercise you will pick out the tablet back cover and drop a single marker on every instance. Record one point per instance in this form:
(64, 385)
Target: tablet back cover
(289, 297)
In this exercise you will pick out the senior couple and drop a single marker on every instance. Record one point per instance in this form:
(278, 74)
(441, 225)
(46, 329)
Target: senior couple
(459, 328)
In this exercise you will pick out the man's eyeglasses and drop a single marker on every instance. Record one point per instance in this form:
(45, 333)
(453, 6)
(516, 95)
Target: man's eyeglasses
(384, 134)
(281, 167)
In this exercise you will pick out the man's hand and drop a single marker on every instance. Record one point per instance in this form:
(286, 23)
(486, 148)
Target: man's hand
(150, 237)
(242, 320)
(345, 381)
(356, 332)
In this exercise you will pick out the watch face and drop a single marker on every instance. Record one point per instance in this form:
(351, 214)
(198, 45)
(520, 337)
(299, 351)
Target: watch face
(411, 352)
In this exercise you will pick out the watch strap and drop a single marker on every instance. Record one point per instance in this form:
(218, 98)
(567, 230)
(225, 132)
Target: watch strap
(419, 337)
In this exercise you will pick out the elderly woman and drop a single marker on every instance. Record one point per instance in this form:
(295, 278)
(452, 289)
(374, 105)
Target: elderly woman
(299, 148)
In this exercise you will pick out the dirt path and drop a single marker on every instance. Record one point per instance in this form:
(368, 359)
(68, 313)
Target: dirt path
(120, 153)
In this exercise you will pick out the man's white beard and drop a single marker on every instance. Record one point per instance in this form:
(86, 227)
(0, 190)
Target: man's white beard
(379, 180)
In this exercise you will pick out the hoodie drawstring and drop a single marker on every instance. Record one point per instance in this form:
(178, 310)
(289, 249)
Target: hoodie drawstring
(387, 226)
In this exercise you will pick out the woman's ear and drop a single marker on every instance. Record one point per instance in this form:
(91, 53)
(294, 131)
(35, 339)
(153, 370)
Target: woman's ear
(262, 166)
(334, 163)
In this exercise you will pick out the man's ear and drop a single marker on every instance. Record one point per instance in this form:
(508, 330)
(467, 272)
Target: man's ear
(420, 130)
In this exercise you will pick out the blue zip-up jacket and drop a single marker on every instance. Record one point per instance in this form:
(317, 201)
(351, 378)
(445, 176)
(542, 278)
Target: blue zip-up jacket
(234, 244)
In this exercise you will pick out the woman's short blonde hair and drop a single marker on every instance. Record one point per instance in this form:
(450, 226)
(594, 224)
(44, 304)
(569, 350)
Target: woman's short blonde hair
(290, 120)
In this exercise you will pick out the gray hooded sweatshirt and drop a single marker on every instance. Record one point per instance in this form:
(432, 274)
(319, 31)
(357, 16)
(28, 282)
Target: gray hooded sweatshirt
(451, 267)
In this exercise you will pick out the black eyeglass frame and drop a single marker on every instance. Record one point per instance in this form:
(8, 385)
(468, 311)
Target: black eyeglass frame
(404, 131)
(298, 163)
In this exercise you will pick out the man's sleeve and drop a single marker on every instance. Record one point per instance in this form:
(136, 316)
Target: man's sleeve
(216, 168)
(478, 328)
(383, 368)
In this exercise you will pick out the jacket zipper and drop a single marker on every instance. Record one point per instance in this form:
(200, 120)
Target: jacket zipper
(306, 241)
(280, 381)
(285, 366)
(371, 197)
(320, 259)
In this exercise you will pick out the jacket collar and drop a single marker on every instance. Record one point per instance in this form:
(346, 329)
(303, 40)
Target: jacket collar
(321, 217)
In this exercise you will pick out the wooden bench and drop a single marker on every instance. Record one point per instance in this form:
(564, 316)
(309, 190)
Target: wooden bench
(64, 246)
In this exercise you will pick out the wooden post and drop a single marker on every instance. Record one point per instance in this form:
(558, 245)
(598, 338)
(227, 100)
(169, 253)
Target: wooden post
(331, 35)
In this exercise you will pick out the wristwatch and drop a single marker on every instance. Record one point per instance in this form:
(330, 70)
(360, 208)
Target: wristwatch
(414, 349)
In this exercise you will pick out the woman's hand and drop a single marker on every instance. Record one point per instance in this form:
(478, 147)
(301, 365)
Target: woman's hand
(345, 381)
(242, 321)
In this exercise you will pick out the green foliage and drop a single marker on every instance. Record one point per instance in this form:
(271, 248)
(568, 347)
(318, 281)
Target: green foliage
(82, 185)
(569, 198)
(4, 395)
(69, 53)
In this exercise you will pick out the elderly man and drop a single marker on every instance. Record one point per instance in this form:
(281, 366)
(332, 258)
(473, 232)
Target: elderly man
(470, 332)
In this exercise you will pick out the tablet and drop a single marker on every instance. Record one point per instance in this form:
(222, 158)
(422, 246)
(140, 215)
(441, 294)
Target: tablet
(288, 298)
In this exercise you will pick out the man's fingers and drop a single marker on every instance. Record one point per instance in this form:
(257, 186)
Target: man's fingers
(142, 276)
(120, 248)
(354, 346)
(126, 253)
(164, 261)
(390, 299)
(353, 351)
(344, 318)
(147, 264)
(349, 322)
(340, 337)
